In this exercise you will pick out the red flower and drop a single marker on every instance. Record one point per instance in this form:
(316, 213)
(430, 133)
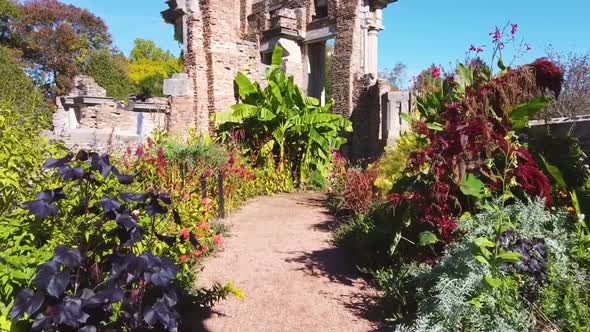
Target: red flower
(435, 72)
(129, 151)
(184, 234)
(218, 240)
(207, 173)
(183, 258)
(139, 151)
(232, 160)
(197, 253)
(514, 29)
(534, 182)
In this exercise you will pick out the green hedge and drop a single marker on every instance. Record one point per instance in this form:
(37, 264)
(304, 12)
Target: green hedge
(110, 72)
(16, 88)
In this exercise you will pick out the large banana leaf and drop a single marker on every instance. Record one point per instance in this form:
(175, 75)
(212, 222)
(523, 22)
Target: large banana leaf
(300, 128)
(237, 114)
(245, 86)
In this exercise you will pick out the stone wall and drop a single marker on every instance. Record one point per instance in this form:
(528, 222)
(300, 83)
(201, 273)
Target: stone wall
(87, 118)
(222, 37)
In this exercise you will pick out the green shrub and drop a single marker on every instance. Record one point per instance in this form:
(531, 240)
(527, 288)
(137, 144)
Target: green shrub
(392, 165)
(111, 72)
(301, 133)
(18, 91)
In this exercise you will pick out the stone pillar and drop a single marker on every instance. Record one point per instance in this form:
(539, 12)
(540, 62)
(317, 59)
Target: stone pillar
(317, 71)
(182, 117)
(374, 25)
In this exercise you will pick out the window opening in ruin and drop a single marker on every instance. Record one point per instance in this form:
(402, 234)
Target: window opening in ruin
(266, 58)
(319, 78)
(321, 8)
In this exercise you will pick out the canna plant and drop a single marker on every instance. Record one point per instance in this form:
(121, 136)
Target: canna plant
(301, 133)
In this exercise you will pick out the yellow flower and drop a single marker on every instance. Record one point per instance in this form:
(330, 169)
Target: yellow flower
(571, 209)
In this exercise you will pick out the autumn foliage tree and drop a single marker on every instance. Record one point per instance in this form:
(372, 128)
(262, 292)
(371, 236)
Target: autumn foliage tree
(55, 38)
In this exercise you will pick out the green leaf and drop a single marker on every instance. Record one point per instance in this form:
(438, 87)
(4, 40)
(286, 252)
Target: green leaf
(501, 64)
(494, 282)
(427, 238)
(555, 174)
(476, 302)
(466, 74)
(435, 126)
(519, 116)
(510, 256)
(406, 117)
(396, 239)
(245, 86)
(277, 56)
(484, 242)
(482, 260)
(472, 186)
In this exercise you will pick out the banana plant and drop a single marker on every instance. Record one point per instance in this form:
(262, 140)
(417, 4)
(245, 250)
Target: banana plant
(304, 132)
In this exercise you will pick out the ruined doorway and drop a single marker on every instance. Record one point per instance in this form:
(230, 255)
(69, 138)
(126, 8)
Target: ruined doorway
(319, 75)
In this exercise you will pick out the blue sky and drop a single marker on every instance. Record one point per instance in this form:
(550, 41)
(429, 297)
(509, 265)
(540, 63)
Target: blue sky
(417, 32)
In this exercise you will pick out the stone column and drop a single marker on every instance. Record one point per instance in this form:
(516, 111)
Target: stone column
(180, 90)
(375, 24)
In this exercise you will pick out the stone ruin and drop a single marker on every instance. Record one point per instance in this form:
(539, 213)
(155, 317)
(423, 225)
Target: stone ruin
(330, 50)
(222, 37)
(88, 118)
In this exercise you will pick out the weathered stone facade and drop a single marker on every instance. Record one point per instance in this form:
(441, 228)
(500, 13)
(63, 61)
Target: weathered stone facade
(88, 118)
(222, 37)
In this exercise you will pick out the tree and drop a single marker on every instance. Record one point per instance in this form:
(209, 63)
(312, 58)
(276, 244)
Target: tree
(9, 12)
(55, 40)
(149, 65)
(111, 71)
(147, 49)
(395, 76)
(574, 99)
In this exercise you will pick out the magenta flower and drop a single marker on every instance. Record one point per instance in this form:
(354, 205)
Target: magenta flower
(435, 72)
(472, 48)
(528, 47)
(497, 35)
(479, 50)
(514, 29)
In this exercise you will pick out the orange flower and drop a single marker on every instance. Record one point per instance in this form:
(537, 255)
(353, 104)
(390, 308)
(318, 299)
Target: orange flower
(184, 234)
(183, 258)
(218, 239)
(197, 253)
(571, 210)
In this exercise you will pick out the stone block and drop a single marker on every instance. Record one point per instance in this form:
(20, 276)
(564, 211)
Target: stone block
(179, 85)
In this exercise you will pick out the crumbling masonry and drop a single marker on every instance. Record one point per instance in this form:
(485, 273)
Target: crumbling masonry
(222, 37)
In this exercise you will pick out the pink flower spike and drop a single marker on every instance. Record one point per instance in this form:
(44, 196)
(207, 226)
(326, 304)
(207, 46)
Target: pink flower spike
(496, 35)
(514, 29)
(435, 72)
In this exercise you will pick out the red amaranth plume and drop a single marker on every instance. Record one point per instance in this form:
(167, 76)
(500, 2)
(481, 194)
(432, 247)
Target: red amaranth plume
(548, 75)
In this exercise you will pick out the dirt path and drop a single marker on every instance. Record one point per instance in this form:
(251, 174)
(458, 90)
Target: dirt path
(280, 255)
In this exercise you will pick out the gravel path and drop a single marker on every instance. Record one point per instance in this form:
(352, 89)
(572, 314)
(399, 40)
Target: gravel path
(294, 279)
